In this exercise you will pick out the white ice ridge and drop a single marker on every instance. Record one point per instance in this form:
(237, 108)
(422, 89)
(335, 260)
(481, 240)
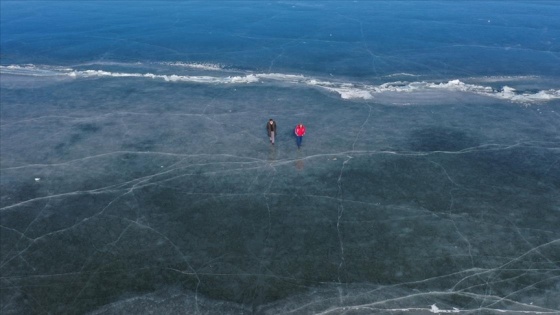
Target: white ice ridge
(435, 309)
(344, 89)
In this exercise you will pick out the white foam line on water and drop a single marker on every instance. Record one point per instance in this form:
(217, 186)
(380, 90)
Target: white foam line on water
(195, 65)
(504, 78)
(250, 78)
(401, 74)
(350, 91)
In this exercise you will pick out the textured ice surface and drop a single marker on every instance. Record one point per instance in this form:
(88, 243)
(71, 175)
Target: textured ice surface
(170, 197)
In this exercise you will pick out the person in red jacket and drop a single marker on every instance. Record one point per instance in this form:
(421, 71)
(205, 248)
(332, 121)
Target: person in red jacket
(300, 132)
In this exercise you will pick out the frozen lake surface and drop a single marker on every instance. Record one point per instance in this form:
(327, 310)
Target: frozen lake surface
(137, 176)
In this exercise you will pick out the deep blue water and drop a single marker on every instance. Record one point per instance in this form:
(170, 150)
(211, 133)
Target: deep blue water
(356, 39)
(137, 175)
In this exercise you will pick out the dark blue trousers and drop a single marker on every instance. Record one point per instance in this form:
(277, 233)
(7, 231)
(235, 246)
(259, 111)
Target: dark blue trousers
(298, 141)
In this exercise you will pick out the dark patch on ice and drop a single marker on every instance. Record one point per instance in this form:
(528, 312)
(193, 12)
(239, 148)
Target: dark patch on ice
(142, 145)
(441, 139)
(89, 128)
(18, 192)
(413, 180)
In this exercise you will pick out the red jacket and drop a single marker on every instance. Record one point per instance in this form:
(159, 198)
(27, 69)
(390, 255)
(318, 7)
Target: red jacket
(300, 130)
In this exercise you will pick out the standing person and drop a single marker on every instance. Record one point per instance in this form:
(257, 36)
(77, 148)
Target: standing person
(271, 128)
(300, 132)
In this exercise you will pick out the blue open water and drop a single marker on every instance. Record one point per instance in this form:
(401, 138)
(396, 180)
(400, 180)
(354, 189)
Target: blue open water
(137, 176)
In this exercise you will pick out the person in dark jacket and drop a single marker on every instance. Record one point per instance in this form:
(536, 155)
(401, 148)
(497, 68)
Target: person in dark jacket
(271, 128)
